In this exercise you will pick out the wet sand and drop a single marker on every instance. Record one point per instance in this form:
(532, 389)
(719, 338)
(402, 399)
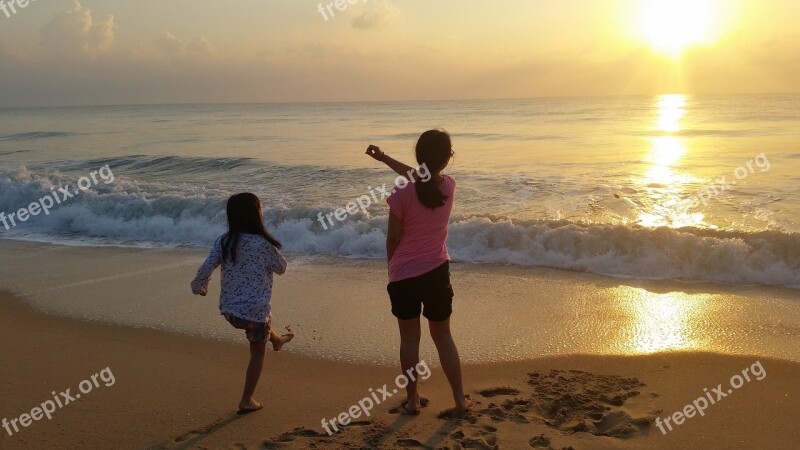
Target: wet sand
(340, 310)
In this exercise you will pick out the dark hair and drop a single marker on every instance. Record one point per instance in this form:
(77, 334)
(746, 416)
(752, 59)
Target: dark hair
(434, 150)
(244, 216)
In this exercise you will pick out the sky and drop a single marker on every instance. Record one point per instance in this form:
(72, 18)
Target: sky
(99, 52)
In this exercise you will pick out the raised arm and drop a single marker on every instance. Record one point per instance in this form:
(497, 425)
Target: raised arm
(401, 169)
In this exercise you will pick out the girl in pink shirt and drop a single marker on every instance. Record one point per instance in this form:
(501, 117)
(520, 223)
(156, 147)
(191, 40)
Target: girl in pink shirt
(419, 270)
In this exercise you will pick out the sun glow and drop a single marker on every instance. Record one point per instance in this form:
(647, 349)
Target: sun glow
(652, 322)
(673, 26)
(664, 179)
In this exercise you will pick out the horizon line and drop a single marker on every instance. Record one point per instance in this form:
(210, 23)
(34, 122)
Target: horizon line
(311, 102)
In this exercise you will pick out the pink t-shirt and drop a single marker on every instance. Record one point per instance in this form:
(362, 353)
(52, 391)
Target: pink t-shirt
(422, 246)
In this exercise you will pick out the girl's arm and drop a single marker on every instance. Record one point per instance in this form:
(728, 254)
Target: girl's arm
(275, 261)
(401, 169)
(394, 235)
(200, 282)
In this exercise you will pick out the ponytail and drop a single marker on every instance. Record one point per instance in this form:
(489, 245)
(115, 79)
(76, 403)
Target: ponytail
(434, 150)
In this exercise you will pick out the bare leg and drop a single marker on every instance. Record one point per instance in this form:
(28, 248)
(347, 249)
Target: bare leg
(451, 362)
(409, 358)
(248, 403)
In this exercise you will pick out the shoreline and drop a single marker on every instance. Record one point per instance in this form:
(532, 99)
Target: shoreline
(175, 391)
(340, 311)
(510, 268)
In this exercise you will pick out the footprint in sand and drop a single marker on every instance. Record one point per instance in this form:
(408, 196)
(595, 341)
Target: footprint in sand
(305, 438)
(569, 401)
(196, 435)
(292, 436)
(489, 393)
(482, 441)
(410, 443)
(577, 401)
(540, 441)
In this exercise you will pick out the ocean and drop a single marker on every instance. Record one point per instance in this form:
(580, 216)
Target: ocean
(691, 188)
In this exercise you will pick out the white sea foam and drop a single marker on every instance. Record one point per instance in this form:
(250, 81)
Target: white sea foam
(179, 214)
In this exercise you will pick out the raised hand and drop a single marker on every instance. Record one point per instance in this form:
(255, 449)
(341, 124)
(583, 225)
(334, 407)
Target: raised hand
(375, 152)
(399, 168)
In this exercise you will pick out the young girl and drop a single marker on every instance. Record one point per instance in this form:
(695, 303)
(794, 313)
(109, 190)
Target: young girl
(419, 271)
(249, 255)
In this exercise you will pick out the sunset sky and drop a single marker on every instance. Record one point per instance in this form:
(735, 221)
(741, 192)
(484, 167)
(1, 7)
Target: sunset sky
(61, 52)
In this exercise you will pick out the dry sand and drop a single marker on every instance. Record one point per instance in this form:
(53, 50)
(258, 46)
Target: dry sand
(174, 391)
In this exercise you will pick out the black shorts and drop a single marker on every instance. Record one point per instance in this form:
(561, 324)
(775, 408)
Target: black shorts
(432, 289)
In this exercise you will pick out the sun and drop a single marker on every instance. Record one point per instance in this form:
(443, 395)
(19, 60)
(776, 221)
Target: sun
(673, 26)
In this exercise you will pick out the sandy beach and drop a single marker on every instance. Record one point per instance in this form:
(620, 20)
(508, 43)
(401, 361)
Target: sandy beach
(178, 389)
(593, 204)
(174, 391)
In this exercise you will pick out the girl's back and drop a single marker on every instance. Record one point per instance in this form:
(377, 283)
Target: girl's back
(247, 282)
(423, 247)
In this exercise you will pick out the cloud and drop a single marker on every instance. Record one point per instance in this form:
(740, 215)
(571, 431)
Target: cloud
(374, 15)
(75, 33)
(200, 46)
(174, 48)
(399, 64)
(170, 45)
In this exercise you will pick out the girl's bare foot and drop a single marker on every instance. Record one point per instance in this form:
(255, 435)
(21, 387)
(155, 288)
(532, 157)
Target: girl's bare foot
(410, 407)
(248, 407)
(459, 411)
(278, 343)
(465, 405)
